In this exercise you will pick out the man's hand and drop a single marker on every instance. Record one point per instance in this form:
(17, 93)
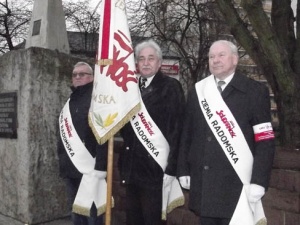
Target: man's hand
(185, 182)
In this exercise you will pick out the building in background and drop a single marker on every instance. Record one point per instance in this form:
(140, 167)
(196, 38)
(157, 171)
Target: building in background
(84, 45)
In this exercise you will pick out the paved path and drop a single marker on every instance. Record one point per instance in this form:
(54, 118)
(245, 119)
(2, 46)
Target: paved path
(4, 220)
(118, 218)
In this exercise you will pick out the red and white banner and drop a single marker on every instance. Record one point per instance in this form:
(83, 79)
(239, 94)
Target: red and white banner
(115, 97)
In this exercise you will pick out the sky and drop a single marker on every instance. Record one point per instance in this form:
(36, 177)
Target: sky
(93, 3)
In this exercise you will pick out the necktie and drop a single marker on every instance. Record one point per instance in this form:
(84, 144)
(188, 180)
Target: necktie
(220, 84)
(143, 83)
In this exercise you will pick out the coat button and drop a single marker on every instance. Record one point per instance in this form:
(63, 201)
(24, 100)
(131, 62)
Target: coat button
(208, 138)
(123, 181)
(206, 167)
(127, 148)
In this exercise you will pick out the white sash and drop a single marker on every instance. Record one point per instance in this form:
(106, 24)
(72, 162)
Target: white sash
(91, 188)
(230, 137)
(172, 198)
(158, 147)
(150, 136)
(76, 150)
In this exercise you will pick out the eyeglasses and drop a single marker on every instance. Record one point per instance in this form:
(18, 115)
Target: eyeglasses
(80, 74)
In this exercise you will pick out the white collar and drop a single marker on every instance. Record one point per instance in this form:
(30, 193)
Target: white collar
(149, 79)
(227, 80)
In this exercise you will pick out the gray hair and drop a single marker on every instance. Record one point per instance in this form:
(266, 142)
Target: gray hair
(232, 46)
(148, 43)
(84, 64)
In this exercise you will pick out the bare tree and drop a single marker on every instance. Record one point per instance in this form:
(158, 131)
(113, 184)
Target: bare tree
(14, 22)
(188, 27)
(184, 26)
(275, 48)
(84, 20)
(81, 17)
(15, 16)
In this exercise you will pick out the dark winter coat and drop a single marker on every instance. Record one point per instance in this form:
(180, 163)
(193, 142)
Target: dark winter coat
(164, 101)
(215, 187)
(80, 101)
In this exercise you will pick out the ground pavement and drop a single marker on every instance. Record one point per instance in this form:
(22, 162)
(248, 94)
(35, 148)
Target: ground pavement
(4, 220)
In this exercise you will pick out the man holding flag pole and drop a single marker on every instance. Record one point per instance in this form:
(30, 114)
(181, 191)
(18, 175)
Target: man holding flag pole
(148, 160)
(115, 97)
(116, 100)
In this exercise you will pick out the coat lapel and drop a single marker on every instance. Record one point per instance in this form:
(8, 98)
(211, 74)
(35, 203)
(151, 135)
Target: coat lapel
(148, 90)
(238, 82)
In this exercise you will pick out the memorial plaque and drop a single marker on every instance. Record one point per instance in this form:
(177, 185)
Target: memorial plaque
(36, 27)
(8, 115)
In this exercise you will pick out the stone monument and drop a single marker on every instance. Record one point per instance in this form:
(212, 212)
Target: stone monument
(34, 85)
(48, 27)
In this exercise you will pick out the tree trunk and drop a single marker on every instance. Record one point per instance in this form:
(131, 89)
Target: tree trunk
(264, 47)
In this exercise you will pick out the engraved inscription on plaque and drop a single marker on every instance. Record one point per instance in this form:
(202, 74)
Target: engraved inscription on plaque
(8, 115)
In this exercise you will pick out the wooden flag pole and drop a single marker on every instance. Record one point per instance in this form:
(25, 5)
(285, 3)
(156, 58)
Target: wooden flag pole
(110, 157)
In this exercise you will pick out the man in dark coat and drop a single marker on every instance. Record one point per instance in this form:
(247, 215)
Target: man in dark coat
(141, 174)
(79, 104)
(203, 166)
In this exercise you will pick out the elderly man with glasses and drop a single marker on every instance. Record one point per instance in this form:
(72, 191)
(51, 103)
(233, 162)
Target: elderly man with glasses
(74, 117)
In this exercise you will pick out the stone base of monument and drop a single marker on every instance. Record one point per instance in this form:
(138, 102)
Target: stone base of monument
(31, 191)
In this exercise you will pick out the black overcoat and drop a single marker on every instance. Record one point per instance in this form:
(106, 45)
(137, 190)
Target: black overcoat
(215, 186)
(164, 101)
(80, 101)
